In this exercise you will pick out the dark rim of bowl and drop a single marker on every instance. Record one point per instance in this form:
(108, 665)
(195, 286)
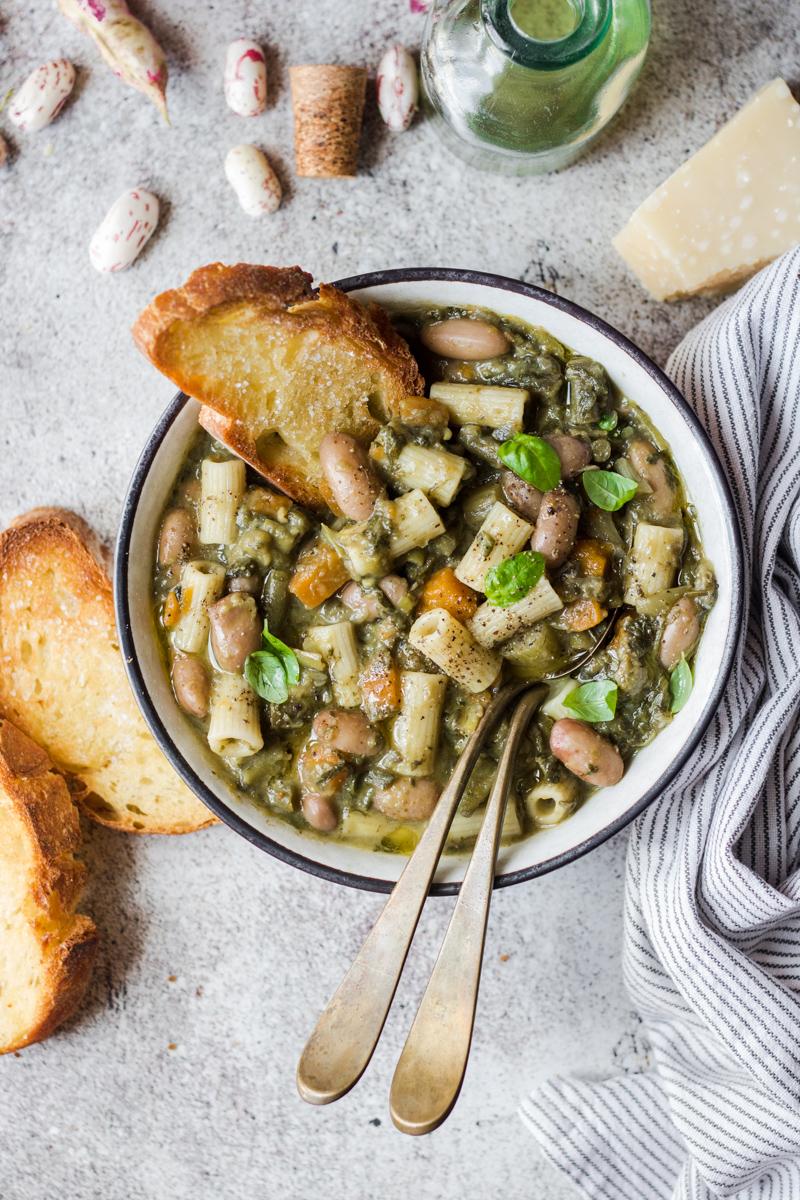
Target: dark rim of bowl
(366, 882)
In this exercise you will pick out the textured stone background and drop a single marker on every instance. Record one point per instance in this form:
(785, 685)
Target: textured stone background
(208, 946)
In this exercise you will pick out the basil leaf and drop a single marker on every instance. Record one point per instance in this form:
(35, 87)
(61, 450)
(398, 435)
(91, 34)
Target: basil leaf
(265, 673)
(680, 685)
(532, 459)
(513, 578)
(593, 701)
(285, 654)
(273, 670)
(608, 421)
(608, 490)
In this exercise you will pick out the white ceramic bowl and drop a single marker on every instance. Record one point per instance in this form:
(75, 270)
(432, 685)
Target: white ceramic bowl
(605, 812)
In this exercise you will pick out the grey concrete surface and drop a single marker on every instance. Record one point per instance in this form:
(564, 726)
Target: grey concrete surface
(176, 1080)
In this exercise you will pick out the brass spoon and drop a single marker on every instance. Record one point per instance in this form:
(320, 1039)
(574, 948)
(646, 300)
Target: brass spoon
(344, 1038)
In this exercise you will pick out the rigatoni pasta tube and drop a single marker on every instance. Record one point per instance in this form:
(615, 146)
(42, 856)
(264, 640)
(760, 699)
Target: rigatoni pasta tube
(449, 644)
(475, 404)
(492, 624)
(550, 803)
(502, 534)
(234, 730)
(416, 730)
(337, 645)
(201, 585)
(222, 488)
(653, 562)
(437, 473)
(414, 522)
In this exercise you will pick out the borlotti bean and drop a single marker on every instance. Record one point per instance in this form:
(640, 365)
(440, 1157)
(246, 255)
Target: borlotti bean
(245, 78)
(398, 88)
(128, 226)
(42, 95)
(256, 185)
(125, 43)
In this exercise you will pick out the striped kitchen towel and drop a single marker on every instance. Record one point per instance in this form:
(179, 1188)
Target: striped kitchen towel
(712, 921)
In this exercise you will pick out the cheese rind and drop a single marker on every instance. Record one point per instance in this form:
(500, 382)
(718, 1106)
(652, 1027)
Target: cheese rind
(730, 209)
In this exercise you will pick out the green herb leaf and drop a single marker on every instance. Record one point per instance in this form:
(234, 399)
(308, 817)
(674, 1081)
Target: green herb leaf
(513, 578)
(593, 701)
(608, 421)
(680, 685)
(532, 459)
(608, 490)
(273, 670)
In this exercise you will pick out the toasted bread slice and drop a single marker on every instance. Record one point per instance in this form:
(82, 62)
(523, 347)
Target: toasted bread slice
(279, 366)
(46, 948)
(62, 679)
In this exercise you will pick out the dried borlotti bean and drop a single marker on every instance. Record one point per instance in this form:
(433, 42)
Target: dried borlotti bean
(126, 229)
(245, 78)
(42, 95)
(398, 88)
(256, 185)
(125, 43)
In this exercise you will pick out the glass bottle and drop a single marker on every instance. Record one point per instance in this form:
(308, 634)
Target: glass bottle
(523, 86)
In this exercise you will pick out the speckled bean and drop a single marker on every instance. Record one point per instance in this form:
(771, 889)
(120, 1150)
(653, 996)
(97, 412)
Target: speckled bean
(461, 337)
(42, 96)
(191, 685)
(125, 43)
(397, 87)
(681, 631)
(235, 629)
(256, 185)
(556, 526)
(523, 497)
(574, 453)
(349, 475)
(652, 469)
(593, 758)
(127, 228)
(407, 799)
(245, 78)
(346, 730)
(178, 535)
(319, 812)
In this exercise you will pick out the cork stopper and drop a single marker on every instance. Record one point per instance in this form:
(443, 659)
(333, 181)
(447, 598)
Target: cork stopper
(328, 106)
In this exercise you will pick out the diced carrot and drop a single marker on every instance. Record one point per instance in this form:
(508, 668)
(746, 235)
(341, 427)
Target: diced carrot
(319, 573)
(419, 410)
(591, 557)
(380, 688)
(583, 614)
(171, 612)
(444, 590)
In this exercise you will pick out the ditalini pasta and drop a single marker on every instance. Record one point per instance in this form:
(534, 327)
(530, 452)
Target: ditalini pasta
(234, 730)
(449, 644)
(502, 534)
(492, 624)
(472, 537)
(222, 488)
(415, 734)
(337, 645)
(653, 561)
(473, 404)
(201, 584)
(437, 473)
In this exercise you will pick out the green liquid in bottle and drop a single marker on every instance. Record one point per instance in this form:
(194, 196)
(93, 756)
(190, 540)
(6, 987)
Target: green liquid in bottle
(545, 20)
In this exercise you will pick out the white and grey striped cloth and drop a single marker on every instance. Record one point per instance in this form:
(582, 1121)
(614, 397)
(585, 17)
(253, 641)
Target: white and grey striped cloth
(712, 922)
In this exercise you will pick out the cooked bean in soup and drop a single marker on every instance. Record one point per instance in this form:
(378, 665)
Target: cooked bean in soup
(491, 530)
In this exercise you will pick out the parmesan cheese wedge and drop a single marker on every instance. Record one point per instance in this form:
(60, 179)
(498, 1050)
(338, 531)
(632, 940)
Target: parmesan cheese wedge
(729, 210)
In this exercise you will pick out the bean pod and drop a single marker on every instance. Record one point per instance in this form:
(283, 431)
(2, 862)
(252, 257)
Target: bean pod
(125, 43)
(256, 185)
(126, 229)
(42, 96)
(245, 78)
(398, 88)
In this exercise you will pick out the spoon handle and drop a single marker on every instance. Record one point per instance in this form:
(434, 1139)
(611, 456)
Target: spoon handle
(345, 1036)
(431, 1068)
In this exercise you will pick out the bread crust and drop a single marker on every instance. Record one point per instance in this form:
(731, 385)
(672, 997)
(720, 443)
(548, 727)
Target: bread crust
(39, 802)
(51, 535)
(279, 301)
